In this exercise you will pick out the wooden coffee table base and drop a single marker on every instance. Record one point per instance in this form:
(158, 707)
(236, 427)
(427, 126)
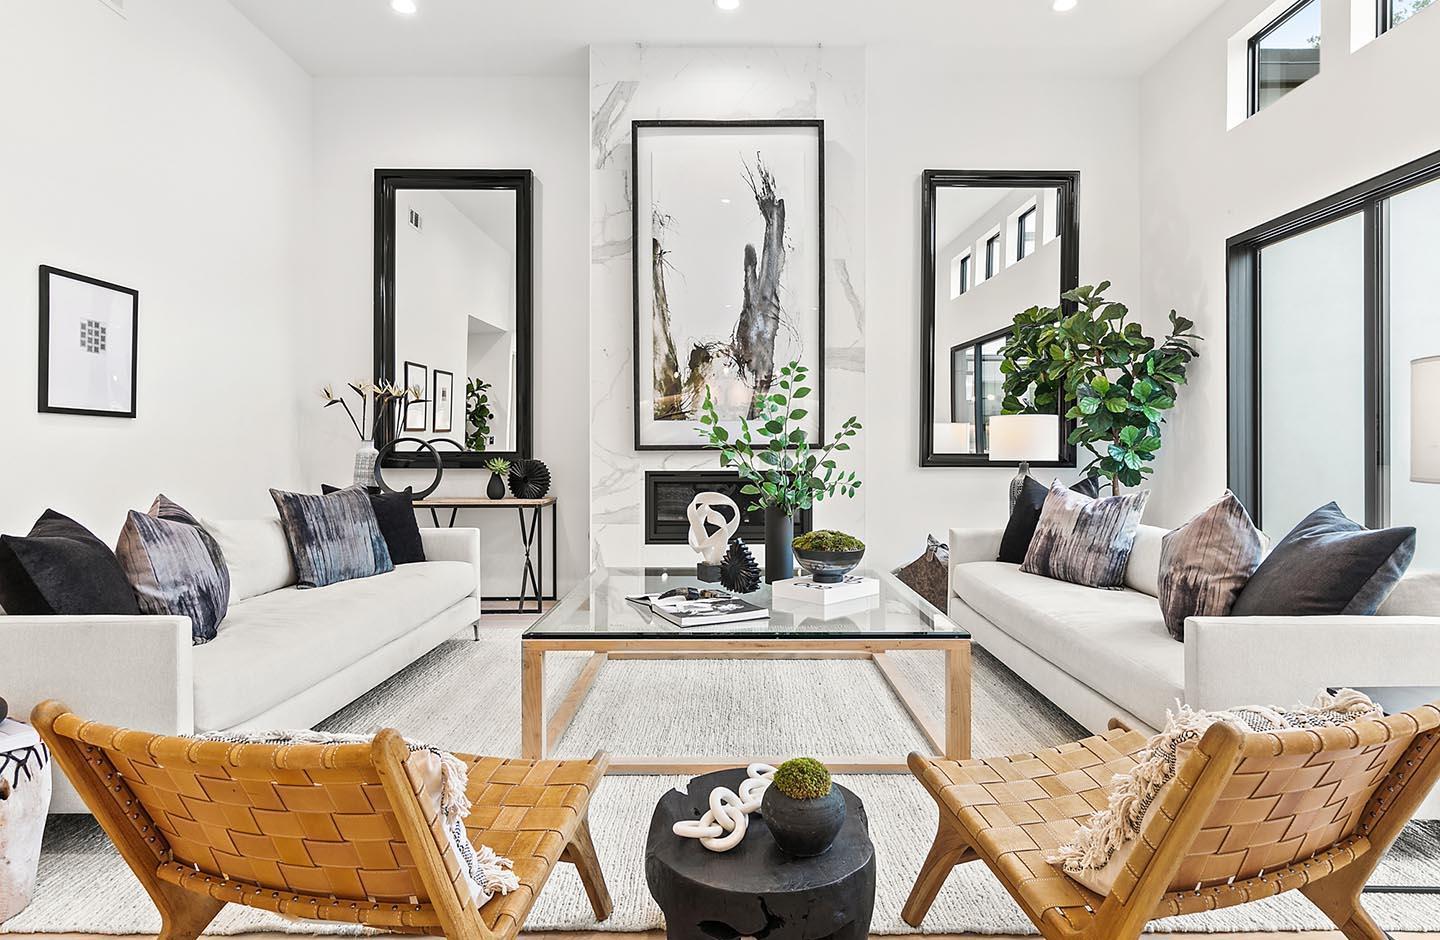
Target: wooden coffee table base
(948, 735)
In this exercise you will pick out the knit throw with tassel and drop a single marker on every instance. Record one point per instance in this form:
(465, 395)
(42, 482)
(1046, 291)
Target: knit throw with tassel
(488, 874)
(1096, 853)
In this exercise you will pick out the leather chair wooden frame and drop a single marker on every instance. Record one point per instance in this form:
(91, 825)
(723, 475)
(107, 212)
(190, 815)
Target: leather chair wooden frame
(1253, 815)
(328, 832)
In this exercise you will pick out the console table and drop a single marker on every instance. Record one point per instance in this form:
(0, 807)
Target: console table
(532, 541)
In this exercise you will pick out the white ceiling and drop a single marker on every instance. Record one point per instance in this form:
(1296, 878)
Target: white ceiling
(527, 37)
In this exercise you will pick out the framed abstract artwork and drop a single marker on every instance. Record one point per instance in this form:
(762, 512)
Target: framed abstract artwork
(88, 349)
(729, 223)
(416, 376)
(442, 406)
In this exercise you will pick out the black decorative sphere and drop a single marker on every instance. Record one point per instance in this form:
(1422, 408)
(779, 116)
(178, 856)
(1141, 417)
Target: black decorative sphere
(529, 479)
(738, 570)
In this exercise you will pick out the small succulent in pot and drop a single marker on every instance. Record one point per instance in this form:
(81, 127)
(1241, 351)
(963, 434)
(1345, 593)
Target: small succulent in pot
(827, 554)
(803, 809)
(498, 467)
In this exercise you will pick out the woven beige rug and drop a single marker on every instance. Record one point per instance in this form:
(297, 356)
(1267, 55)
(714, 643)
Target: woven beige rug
(712, 707)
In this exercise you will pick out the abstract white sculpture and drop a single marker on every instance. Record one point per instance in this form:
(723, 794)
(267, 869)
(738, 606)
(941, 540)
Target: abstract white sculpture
(724, 824)
(702, 513)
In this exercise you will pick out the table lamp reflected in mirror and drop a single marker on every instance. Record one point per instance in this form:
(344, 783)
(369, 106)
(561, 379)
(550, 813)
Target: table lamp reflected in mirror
(1023, 438)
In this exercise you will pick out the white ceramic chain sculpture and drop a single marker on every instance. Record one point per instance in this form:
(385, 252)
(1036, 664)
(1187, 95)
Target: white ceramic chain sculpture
(724, 823)
(710, 546)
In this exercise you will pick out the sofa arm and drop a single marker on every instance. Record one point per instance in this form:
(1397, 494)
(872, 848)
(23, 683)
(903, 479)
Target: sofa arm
(1232, 661)
(967, 545)
(453, 545)
(135, 672)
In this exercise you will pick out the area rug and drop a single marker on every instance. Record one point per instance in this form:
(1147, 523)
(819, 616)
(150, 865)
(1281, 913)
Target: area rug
(710, 707)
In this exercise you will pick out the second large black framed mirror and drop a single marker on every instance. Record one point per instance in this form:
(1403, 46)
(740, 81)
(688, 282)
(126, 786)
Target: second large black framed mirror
(993, 243)
(454, 310)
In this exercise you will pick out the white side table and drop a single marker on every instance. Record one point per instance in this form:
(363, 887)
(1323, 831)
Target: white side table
(24, 802)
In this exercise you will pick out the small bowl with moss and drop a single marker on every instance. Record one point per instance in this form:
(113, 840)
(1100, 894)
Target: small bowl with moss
(802, 808)
(827, 554)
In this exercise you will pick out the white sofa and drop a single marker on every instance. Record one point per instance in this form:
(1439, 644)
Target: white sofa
(283, 658)
(1101, 654)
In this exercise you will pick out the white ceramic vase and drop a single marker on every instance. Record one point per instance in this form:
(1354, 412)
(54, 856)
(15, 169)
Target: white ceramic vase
(23, 806)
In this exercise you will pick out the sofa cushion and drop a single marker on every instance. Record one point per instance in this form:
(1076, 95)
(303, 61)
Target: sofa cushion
(272, 647)
(1417, 595)
(1113, 641)
(256, 554)
(1143, 572)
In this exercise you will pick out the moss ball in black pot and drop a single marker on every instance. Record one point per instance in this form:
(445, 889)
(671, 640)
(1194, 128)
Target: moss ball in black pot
(802, 808)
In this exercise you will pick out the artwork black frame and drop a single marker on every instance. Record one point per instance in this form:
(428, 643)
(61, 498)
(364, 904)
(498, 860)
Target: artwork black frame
(43, 386)
(420, 406)
(1067, 211)
(435, 427)
(387, 183)
(1244, 323)
(818, 363)
(752, 524)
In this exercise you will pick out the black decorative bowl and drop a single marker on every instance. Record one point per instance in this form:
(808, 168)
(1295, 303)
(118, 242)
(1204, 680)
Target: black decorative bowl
(829, 567)
(529, 479)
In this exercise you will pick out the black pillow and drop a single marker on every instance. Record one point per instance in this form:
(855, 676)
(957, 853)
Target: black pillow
(396, 514)
(62, 568)
(1328, 564)
(1026, 516)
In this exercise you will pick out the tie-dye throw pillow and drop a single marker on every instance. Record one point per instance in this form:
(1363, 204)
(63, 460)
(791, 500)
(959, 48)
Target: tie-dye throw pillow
(1083, 540)
(334, 537)
(1206, 562)
(175, 567)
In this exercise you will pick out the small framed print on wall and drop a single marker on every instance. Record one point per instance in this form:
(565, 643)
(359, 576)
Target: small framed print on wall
(88, 351)
(416, 377)
(441, 404)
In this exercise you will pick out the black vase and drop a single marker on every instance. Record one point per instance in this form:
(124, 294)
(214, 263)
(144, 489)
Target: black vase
(803, 827)
(495, 489)
(779, 533)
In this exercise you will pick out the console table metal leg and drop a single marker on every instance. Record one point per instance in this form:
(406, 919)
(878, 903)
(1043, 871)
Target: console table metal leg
(529, 535)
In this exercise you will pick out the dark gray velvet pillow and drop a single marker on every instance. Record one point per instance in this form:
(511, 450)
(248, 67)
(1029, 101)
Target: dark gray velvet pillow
(334, 537)
(1206, 563)
(175, 567)
(1328, 564)
(929, 575)
(61, 568)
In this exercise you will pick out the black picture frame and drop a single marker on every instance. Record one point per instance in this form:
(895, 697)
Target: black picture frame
(389, 182)
(689, 483)
(43, 402)
(818, 362)
(448, 383)
(416, 376)
(1067, 210)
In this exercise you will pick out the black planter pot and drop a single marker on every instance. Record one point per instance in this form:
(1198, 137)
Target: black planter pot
(779, 533)
(803, 828)
(829, 567)
(495, 489)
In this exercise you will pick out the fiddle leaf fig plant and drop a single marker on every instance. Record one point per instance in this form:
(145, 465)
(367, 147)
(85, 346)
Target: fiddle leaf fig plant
(776, 463)
(1115, 382)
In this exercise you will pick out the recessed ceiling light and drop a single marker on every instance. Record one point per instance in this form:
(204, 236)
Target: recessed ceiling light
(728, 4)
(1064, 6)
(404, 7)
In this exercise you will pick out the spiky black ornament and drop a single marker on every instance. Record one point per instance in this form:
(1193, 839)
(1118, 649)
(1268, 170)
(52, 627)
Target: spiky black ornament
(529, 479)
(738, 571)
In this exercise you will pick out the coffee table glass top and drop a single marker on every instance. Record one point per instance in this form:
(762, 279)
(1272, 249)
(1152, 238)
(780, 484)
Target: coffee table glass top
(597, 606)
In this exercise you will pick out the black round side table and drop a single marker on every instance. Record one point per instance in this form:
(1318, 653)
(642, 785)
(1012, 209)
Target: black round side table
(755, 890)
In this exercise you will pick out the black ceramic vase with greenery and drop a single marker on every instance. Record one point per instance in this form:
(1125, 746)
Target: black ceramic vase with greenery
(803, 810)
(498, 467)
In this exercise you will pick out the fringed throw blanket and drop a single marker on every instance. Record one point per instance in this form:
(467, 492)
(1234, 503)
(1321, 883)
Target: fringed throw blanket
(1097, 853)
(488, 874)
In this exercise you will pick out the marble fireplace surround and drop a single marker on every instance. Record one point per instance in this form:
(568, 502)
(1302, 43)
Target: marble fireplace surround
(633, 82)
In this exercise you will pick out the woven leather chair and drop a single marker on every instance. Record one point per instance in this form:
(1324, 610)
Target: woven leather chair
(332, 832)
(1254, 815)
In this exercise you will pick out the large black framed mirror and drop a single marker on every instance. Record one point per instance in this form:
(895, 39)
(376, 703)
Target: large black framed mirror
(993, 243)
(454, 311)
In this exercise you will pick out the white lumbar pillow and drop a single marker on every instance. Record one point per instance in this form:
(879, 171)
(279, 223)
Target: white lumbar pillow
(256, 553)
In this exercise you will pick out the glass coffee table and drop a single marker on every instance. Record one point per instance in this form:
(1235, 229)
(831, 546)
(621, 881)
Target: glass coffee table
(595, 617)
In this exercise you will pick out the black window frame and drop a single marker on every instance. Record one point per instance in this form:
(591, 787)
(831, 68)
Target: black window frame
(1244, 321)
(1252, 53)
(1385, 17)
(992, 256)
(982, 442)
(1032, 214)
(965, 261)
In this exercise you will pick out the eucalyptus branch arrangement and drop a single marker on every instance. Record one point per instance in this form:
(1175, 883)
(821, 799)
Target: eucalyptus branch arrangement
(773, 456)
(379, 402)
(1118, 382)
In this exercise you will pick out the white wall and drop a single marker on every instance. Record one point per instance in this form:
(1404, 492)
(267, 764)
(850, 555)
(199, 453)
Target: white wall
(539, 123)
(169, 152)
(1007, 122)
(1367, 111)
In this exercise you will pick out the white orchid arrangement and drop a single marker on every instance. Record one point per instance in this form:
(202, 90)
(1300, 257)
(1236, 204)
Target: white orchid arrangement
(379, 401)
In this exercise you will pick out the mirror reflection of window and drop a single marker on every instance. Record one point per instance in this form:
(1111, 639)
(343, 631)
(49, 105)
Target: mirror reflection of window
(455, 297)
(982, 283)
